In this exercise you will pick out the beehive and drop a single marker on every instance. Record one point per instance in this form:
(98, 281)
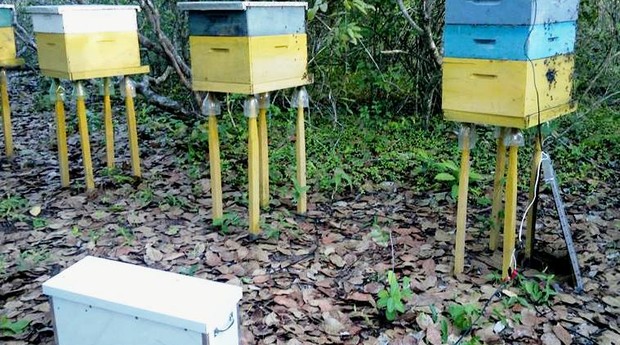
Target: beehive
(247, 47)
(8, 54)
(508, 63)
(87, 41)
(104, 302)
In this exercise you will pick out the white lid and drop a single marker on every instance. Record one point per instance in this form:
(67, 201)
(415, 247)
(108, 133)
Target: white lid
(174, 299)
(12, 7)
(73, 8)
(236, 5)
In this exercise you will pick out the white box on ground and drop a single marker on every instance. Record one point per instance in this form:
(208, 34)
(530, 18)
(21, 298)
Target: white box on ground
(104, 302)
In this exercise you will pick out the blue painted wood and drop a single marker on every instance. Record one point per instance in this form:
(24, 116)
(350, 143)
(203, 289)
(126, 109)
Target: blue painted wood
(502, 42)
(6, 17)
(510, 12)
(254, 21)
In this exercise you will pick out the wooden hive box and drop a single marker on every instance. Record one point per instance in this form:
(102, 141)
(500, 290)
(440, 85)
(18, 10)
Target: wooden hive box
(87, 41)
(104, 302)
(247, 47)
(504, 93)
(510, 12)
(8, 53)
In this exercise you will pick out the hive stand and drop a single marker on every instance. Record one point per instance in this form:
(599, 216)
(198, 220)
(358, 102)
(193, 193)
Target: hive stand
(79, 42)
(8, 59)
(507, 64)
(251, 48)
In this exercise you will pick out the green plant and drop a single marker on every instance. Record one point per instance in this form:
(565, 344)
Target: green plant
(144, 196)
(449, 173)
(224, 223)
(127, 234)
(2, 265)
(380, 235)
(445, 331)
(462, 316)
(271, 232)
(189, 270)
(8, 327)
(39, 223)
(539, 290)
(93, 235)
(117, 176)
(11, 205)
(338, 178)
(391, 299)
(30, 258)
(298, 190)
(474, 340)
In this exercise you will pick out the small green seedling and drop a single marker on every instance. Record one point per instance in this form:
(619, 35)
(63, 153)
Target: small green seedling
(10, 206)
(8, 327)
(226, 222)
(449, 173)
(463, 315)
(298, 190)
(392, 299)
(127, 234)
(540, 290)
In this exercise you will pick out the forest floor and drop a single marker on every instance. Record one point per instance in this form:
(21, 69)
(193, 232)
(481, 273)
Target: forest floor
(310, 279)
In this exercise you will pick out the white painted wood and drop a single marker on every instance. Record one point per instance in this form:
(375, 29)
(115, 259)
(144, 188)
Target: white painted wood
(12, 7)
(235, 5)
(164, 297)
(74, 19)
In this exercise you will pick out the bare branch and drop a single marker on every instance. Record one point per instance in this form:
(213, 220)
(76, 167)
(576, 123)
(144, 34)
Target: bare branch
(162, 102)
(425, 29)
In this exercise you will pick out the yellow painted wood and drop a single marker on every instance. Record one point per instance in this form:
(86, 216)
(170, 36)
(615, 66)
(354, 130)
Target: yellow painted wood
(253, 176)
(7, 43)
(264, 157)
(93, 55)
(248, 64)
(215, 169)
(510, 121)
(108, 123)
(461, 210)
(16, 62)
(84, 138)
(531, 216)
(300, 149)
(134, 150)
(498, 189)
(496, 91)
(6, 115)
(61, 137)
(510, 211)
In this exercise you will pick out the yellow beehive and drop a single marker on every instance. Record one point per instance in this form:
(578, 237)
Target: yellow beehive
(87, 41)
(507, 93)
(8, 54)
(247, 46)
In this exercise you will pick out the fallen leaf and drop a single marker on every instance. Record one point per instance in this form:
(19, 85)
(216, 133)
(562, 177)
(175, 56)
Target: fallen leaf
(562, 334)
(550, 339)
(154, 254)
(35, 210)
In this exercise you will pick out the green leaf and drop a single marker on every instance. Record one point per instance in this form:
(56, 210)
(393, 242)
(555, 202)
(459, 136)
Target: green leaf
(445, 177)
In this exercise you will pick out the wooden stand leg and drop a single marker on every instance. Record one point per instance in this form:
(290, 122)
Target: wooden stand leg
(533, 199)
(253, 166)
(61, 135)
(461, 211)
(510, 213)
(498, 189)
(132, 127)
(215, 169)
(300, 149)
(109, 126)
(6, 115)
(84, 139)
(264, 150)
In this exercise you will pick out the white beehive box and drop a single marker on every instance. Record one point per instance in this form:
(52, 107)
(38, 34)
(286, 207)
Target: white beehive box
(103, 302)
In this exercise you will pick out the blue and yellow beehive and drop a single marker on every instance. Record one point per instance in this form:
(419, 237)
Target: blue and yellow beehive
(247, 47)
(77, 42)
(509, 63)
(8, 53)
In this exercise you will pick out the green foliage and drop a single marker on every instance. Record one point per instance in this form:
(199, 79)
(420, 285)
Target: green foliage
(449, 174)
(538, 290)
(225, 223)
(11, 206)
(391, 299)
(462, 316)
(445, 331)
(127, 235)
(32, 258)
(8, 327)
(39, 223)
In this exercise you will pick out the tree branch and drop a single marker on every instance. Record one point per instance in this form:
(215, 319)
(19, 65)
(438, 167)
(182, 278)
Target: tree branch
(425, 30)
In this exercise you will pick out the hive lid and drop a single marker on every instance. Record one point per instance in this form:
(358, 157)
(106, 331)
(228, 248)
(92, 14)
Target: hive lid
(12, 7)
(75, 8)
(235, 5)
(170, 298)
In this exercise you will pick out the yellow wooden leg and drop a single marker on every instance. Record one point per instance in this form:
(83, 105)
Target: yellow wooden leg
(130, 93)
(215, 169)
(6, 115)
(498, 189)
(264, 150)
(531, 216)
(84, 140)
(253, 172)
(461, 211)
(109, 125)
(300, 149)
(61, 135)
(510, 213)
